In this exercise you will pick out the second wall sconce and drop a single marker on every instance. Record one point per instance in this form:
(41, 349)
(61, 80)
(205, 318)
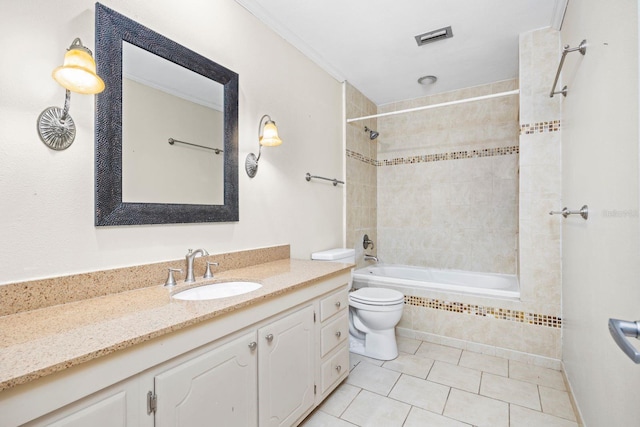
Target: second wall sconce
(77, 74)
(267, 136)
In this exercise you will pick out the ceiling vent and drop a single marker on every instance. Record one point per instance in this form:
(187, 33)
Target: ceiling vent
(434, 36)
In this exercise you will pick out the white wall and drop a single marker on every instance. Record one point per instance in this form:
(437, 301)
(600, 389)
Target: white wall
(47, 214)
(601, 256)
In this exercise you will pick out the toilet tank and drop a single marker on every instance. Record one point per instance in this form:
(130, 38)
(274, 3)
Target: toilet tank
(345, 255)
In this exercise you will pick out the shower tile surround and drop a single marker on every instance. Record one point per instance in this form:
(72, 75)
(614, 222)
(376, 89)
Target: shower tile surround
(479, 310)
(361, 175)
(447, 182)
(431, 165)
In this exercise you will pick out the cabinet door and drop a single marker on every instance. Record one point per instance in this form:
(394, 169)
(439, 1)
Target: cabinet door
(286, 368)
(115, 406)
(216, 388)
(108, 412)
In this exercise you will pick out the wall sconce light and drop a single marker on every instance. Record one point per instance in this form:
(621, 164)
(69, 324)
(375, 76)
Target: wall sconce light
(267, 136)
(78, 74)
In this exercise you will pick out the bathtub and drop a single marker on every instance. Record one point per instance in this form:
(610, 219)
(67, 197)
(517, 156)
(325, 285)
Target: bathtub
(424, 278)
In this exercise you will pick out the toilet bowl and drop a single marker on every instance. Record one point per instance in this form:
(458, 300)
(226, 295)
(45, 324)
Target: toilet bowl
(373, 316)
(373, 313)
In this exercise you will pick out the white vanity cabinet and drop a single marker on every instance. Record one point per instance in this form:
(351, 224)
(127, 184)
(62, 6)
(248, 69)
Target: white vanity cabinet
(218, 387)
(266, 365)
(113, 407)
(333, 354)
(286, 362)
(273, 365)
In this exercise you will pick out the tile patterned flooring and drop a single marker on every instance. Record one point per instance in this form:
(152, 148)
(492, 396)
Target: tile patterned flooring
(435, 385)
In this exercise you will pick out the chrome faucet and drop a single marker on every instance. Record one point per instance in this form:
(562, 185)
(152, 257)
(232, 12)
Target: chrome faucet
(190, 278)
(368, 257)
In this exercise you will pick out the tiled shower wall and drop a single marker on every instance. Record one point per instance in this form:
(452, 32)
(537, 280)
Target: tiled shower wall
(483, 152)
(540, 173)
(448, 182)
(361, 174)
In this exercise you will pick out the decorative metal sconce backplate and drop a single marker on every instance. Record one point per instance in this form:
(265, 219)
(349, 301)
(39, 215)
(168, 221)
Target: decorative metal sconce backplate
(251, 165)
(55, 130)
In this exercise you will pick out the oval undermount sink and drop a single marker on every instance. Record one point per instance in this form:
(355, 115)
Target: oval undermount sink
(217, 290)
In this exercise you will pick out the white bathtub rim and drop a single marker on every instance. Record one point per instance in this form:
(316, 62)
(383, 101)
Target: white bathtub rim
(458, 297)
(410, 287)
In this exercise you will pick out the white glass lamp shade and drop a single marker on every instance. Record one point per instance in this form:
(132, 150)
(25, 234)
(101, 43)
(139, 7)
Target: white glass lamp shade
(78, 72)
(270, 136)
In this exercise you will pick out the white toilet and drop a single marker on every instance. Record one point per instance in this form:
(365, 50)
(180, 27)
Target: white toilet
(373, 316)
(373, 313)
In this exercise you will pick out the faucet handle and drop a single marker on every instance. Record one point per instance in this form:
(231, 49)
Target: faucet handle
(366, 242)
(207, 273)
(171, 281)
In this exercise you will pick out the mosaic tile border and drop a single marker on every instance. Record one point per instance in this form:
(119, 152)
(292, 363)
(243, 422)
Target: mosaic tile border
(478, 310)
(357, 156)
(455, 155)
(427, 158)
(540, 127)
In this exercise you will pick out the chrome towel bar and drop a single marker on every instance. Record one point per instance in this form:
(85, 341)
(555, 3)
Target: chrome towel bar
(582, 48)
(565, 212)
(308, 177)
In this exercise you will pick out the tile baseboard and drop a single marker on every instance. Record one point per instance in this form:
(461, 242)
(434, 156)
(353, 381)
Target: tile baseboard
(534, 359)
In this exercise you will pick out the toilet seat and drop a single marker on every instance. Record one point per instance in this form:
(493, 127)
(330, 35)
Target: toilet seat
(377, 296)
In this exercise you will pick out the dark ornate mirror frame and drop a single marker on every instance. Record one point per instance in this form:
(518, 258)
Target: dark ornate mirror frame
(112, 29)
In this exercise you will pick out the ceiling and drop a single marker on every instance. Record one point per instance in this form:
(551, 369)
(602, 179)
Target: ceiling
(371, 44)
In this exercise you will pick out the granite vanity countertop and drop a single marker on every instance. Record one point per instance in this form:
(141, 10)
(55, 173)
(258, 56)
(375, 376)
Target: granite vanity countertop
(37, 343)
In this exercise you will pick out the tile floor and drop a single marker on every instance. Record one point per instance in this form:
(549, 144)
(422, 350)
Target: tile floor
(434, 385)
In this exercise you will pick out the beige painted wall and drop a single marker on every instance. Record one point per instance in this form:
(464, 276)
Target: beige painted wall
(47, 216)
(601, 256)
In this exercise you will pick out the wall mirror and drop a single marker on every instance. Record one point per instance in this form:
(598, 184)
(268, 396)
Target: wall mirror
(166, 129)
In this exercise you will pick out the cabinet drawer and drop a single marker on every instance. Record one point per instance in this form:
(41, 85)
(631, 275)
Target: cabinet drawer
(334, 369)
(333, 334)
(333, 304)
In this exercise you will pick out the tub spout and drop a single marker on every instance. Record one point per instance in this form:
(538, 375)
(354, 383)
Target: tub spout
(368, 257)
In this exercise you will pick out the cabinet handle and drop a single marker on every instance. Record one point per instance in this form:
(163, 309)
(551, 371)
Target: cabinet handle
(338, 368)
(253, 345)
(338, 304)
(338, 334)
(269, 337)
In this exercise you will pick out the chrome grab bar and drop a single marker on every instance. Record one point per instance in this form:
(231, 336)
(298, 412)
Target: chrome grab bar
(620, 329)
(335, 181)
(582, 48)
(565, 212)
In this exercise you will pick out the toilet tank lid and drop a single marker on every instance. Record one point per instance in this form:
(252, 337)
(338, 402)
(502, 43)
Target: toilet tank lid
(333, 254)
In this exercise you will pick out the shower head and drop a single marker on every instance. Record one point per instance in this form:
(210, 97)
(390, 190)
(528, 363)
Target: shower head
(372, 133)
